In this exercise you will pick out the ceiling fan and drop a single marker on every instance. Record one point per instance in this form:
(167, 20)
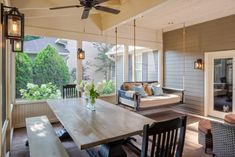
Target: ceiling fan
(88, 5)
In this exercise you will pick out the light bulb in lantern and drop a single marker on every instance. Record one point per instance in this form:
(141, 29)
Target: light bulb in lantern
(15, 27)
(17, 45)
(81, 54)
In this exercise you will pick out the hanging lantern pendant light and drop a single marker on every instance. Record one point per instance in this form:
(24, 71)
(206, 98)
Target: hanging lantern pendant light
(80, 54)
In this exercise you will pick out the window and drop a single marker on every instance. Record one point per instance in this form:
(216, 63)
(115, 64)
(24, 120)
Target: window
(146, 64)
(138, 68)
(45, 66)
(99, 65)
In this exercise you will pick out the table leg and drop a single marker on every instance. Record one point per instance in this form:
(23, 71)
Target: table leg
(63, 134)
(113, 149)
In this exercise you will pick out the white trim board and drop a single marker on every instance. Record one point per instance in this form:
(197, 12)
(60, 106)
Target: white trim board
(209, 56)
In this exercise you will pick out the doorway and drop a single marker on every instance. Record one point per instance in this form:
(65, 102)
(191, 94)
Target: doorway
(219, 83)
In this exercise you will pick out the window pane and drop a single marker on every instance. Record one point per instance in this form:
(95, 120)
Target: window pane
(152, 66)
(223, 84)
(99, 65)
(146, 65)
(45, 66)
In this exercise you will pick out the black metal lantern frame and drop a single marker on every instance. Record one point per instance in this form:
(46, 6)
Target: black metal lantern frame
(80, 54)
(13, 21)
(17, 45)
(198, 64)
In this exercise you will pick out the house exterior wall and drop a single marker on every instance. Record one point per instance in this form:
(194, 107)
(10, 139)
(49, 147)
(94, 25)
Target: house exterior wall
(91, 54)
(179, 69)
(72, 48)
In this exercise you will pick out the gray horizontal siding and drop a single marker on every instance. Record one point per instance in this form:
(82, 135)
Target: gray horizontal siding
(214, 35)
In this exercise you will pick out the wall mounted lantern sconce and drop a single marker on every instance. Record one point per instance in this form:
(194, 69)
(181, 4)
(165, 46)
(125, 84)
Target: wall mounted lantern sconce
(17, 45)
(13, 26)
(13, 21)
(80, 54)
(198, 64)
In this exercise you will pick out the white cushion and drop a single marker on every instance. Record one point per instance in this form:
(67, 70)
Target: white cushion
(166, 99)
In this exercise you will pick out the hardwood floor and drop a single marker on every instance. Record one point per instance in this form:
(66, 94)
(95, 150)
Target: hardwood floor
(191, 148)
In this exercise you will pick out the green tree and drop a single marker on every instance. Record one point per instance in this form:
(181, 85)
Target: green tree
(106, 63)
(30, 37)
(49, 66)
(24, 72)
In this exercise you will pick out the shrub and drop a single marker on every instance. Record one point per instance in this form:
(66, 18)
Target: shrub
(36, 92)
(24, 72)
(108, 87)
(49, 66)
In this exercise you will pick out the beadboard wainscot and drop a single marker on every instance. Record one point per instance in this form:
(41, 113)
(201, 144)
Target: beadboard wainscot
(26, 109)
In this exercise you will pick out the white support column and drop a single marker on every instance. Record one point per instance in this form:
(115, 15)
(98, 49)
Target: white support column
(10, 88)
(161, 63)
(125, 63)
(79, 63)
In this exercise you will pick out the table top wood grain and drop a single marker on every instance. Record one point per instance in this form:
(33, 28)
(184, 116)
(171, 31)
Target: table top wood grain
(107, 124)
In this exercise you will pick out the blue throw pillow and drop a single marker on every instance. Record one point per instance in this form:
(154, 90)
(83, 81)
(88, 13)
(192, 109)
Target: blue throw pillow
(139, 89)
(157, 90)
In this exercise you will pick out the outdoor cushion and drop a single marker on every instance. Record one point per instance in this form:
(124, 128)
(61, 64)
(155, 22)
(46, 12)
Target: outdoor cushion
(139, 89)
(157, 90)
(151, 101)
(129, 85)
(204, 126)
(147, 89)
(130, 94)
(230, 118)
(155, 84)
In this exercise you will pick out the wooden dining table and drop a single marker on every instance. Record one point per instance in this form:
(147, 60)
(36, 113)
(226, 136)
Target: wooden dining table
(107, 126)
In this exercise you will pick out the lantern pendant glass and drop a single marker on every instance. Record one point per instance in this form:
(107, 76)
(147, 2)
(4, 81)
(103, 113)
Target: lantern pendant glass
(198, 64)
(81, 54)
(17, 46)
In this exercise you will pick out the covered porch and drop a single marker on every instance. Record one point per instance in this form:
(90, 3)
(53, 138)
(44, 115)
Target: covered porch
(154, 41)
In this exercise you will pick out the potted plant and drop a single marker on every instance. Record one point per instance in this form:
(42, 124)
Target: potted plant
(92, 92)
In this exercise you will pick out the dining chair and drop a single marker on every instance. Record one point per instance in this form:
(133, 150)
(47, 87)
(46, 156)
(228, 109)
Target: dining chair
(223, 139)
(166, 138)
(69, 91)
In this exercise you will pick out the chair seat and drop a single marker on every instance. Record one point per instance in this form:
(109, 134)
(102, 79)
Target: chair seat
(230, 118)
(205, 126)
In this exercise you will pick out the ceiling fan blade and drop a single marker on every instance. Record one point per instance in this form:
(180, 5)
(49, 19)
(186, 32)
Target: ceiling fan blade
(101, 1)
(85, 13)
(65, 7)
(106, 9)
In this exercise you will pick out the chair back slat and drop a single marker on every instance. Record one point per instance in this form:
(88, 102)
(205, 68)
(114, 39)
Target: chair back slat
(163, 144)
(171, 140)
(153, 145)
(167, 138)
(158, 144)
(167, 143)
(70, 91)
(175, 140)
